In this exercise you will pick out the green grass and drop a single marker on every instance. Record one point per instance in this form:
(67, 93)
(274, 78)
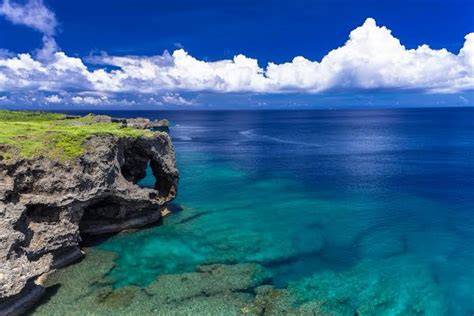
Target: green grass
(33, 134)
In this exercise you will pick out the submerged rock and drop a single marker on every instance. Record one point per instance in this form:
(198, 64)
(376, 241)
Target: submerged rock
(210, 290)
(242, 289)
(217, 289)
(45, 205)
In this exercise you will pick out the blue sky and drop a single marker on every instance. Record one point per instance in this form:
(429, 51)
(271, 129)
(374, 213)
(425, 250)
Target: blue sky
(117, 39)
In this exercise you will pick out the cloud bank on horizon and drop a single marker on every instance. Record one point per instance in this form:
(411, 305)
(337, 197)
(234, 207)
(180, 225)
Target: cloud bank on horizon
(371, 59)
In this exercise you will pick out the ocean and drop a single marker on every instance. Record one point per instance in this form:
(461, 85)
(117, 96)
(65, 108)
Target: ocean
(371, 209)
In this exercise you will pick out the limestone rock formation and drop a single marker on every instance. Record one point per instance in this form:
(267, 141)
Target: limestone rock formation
(45, 205)
(138, 122)
(144, 123)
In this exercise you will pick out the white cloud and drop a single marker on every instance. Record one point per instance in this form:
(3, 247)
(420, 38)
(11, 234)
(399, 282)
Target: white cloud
(372, 58)
(53, 99)
(5, 53)
(46, 53)
(88, 100)
(33, 14)
(97, 99)
(176, 99)
(36, 15)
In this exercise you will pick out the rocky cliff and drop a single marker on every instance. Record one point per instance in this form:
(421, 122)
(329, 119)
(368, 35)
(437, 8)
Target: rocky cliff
(45, 206)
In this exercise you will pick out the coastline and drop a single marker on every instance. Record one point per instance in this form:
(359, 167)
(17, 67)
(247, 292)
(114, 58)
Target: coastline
(47, 201)
(352, 250)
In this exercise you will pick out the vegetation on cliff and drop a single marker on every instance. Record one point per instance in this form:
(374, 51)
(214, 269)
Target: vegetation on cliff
(32, 134)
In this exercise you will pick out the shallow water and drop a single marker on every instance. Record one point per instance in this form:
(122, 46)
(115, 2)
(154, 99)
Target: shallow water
(365, 210)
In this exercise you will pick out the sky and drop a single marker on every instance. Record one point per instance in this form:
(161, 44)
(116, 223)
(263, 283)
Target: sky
(236, 54)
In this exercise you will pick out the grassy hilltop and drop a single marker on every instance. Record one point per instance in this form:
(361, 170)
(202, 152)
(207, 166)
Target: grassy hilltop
(32, 134)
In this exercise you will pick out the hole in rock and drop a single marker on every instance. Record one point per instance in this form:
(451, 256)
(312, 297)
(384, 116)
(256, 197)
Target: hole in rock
(40, 213)
(149, 180)
(141, 168)
(135, 162)
(107, 208)
(164, 182)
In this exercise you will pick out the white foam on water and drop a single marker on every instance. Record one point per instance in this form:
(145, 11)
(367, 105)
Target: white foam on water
(250, 134)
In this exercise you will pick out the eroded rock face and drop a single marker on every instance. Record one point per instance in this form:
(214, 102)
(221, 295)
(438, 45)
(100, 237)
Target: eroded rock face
(45, 205)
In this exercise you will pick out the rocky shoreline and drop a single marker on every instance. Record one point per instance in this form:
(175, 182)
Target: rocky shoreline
(45, 205)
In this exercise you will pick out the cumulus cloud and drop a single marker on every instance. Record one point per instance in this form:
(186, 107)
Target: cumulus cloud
(46, 53)
(88, 100)
(53, 99)
(176, 99)
(97, 99)
(4, 53)
(371, 58)
(36, 15)
(33, 14)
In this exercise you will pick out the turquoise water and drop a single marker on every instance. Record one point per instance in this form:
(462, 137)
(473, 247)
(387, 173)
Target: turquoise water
(369, 211)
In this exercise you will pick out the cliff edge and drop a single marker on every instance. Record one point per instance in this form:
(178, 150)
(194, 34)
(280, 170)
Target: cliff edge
(81, 178)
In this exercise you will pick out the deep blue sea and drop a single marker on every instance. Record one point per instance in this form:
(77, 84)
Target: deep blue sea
(372, 208)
